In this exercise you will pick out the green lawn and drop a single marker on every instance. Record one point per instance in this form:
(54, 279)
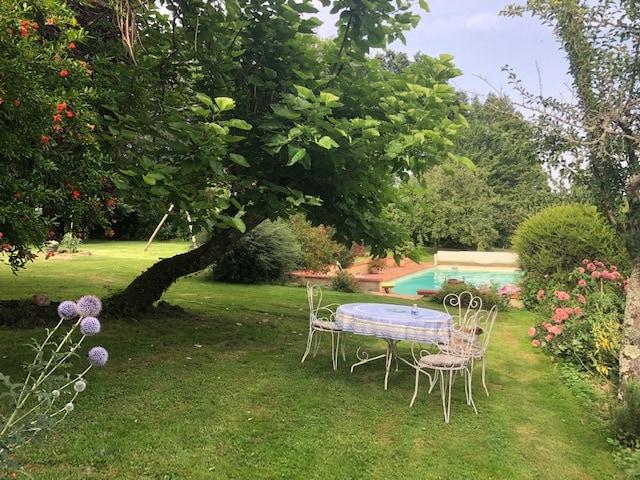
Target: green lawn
(220, 393)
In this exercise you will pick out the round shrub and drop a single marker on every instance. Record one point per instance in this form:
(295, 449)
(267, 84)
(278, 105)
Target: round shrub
(551, 243)
(265, 254)
(344, 282)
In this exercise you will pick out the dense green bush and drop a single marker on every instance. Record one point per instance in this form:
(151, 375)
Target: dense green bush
(265, 254)
(550, 244)
(625, 416)
(344, 282)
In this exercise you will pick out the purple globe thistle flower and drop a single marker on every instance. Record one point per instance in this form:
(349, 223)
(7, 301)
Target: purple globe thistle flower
(98, 356)
(67, 310)
(90, 326)
(89, 306)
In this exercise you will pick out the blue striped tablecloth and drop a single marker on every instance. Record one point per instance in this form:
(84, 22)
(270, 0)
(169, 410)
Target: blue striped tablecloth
(393, 322)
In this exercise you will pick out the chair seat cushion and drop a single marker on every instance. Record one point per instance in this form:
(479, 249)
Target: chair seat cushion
(325, 325)
(442, 361)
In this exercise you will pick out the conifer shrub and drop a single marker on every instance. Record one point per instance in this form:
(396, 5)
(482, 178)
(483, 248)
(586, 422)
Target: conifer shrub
(266, 254)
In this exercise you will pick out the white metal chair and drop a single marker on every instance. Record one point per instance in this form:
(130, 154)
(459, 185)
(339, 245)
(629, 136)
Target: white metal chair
(322, 319)
(461, 306)
(444, 364)
(479, 338)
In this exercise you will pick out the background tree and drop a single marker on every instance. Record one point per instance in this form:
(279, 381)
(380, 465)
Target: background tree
(501, 143)
(458, 210)
(594, 142)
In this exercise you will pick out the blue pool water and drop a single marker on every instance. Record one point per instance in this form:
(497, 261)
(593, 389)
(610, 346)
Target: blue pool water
(433, 278)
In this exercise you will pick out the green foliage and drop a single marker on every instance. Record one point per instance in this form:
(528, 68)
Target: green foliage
(583, 323)
(265, 254)
(551, 243)
(500, 142)
(70, 243)
(625, 416)
(345, 282)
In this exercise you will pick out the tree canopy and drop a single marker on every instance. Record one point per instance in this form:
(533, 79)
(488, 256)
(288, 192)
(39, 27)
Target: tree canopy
(238, 112)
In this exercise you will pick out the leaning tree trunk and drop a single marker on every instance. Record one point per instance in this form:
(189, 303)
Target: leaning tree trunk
(149, 286)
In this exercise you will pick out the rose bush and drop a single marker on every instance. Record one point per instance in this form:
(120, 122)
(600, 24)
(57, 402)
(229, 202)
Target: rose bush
(582, 324)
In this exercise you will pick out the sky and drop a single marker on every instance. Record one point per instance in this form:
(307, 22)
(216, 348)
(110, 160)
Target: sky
(482, 42)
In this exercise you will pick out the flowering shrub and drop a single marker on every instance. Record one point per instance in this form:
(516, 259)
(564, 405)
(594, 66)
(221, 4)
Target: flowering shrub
(583, 325)
(54, 172)
(49, 391)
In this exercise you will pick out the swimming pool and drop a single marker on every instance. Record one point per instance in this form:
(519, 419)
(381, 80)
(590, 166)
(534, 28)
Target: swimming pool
(433, 278)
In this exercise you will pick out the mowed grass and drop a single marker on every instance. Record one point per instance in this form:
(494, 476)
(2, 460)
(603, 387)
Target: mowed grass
(220, 393)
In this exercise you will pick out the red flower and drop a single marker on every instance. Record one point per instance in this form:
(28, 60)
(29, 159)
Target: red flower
(25, 23)
(56, 128)
(110, 202)
(24, 219)
(16, 103)
(16, 195)
(69, 113)
(57, 117)
(45, 139)
(35, 25)
(61, 106)
(75, 194)
(79, 234)
(52, 233)
(63, 73)
(24, 32)
(1, 234)
(72, 45)
(83, 63)
(112, 233)
(1, 100)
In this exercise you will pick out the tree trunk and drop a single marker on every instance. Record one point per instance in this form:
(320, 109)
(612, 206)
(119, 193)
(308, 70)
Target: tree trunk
(148, 287)
(630, 339)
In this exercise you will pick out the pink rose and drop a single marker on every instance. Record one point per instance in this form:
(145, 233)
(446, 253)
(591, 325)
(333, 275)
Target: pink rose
(580, 270)
(535, 343)
(582, 282)
(540, 295)
(532, 331)
(596, 274)
(562, 296)
(591, 267)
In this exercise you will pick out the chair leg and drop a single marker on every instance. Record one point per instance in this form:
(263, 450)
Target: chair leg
(308, 349)
(446, 397)
(415, 392)
(467, 389)
(335, 348)
(484, 380)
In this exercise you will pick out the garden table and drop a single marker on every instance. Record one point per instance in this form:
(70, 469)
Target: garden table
(392, 323)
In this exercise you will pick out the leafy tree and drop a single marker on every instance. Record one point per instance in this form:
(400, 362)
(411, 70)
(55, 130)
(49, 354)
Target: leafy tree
(54, 177)
(595, 141)
(255, 118)
(459, 209)
(502, 145)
